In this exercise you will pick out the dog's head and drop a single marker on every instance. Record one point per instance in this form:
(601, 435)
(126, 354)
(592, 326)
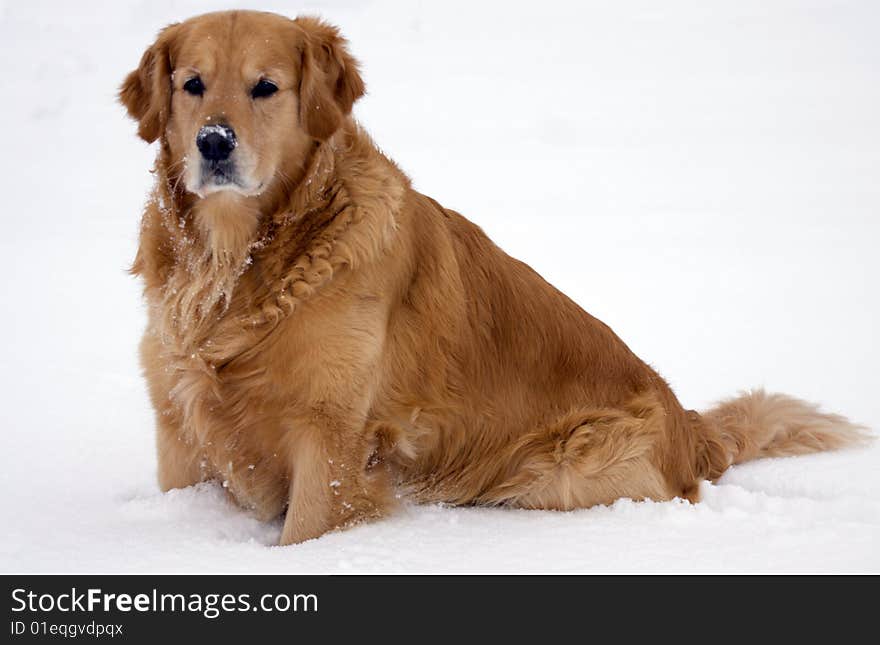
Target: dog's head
(240, 97)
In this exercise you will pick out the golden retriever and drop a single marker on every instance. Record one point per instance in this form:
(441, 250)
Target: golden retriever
(323, 339)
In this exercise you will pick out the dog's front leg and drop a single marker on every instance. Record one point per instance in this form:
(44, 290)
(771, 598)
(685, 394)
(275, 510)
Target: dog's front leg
(180, 463)
(337, 480)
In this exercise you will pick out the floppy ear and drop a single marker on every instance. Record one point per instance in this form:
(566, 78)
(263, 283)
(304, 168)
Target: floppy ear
(329, 82)
(146, 92)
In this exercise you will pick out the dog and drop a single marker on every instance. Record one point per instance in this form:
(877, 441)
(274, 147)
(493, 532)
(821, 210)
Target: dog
(324, 340)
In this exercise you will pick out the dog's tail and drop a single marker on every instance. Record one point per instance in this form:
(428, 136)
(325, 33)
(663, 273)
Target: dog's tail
(756, 424)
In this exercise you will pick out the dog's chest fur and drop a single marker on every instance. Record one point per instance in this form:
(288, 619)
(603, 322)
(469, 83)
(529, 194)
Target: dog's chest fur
(253, 337)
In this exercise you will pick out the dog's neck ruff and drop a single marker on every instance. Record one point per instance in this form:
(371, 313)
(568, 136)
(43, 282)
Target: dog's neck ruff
(323, 230)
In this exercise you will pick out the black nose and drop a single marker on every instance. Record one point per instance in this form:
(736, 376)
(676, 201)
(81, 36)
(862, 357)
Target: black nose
(216, 142)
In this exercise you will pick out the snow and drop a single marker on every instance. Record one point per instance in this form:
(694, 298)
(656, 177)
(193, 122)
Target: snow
(222, 130)
(702, 177)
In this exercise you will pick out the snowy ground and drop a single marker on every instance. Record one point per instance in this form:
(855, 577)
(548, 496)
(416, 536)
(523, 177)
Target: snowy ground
(729, 149)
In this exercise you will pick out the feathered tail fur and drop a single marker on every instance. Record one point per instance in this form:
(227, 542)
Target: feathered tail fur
(757, 424)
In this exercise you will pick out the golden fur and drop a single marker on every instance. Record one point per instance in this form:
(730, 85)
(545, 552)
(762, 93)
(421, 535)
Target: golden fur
(326, 338)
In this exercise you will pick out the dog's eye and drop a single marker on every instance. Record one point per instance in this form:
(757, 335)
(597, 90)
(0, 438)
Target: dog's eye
(194, 86)
(264, 88)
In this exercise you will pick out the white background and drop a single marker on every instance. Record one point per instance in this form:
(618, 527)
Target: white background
(702, 176)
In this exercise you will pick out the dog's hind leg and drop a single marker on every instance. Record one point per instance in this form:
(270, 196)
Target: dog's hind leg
(586, 457)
